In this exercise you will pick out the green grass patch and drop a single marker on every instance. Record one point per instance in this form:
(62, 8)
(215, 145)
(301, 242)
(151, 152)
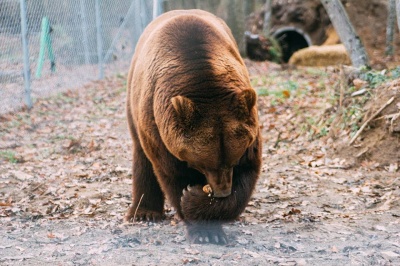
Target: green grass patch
(9, 156)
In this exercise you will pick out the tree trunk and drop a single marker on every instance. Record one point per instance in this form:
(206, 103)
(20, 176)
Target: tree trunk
(249, 7)
(267, 17)
(235, 19)
(346, 32)
(390, 26)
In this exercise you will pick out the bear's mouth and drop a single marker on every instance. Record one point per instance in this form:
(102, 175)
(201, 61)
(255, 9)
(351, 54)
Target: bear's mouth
(222, 193)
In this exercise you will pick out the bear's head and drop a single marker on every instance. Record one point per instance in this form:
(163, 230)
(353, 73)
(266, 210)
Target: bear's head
(212, 136)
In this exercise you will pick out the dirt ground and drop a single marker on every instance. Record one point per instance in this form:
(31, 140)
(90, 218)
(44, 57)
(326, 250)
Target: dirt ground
(65, 182)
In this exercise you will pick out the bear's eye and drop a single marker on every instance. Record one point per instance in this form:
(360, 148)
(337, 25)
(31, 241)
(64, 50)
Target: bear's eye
(240, 131)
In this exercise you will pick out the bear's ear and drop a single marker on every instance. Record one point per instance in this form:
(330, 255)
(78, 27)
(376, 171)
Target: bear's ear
(184, 108)
(247, 99)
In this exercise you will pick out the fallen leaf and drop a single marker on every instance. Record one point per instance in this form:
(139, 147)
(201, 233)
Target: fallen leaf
(369, 165)
(390, 254)
(252, 253)
(20, 248)
(380, 228)
(286, 93)
(293, 211)
(393, 168)
(21, 175)
(247, 232)
(359, 83)
(242, 241)
(192, 251)
(96, 201)
(339, 180)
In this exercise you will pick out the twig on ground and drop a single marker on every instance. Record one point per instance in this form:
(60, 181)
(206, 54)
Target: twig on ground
(336, 166)
(359, 92)
(393, 118)
(369, 120)
(278, 139)
(134, 216)
(385, 117)
(361, 153)
(342, 86)
(392, 183)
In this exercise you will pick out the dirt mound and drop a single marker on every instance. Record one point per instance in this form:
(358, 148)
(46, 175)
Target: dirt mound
(369, 20)
(377, 143)
(309, 16)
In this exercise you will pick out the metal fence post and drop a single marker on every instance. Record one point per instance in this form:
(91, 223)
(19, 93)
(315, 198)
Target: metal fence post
(27, 74)
(119, 33)
(155, 9)
(137, 22)
(99, 40)
(84, 31)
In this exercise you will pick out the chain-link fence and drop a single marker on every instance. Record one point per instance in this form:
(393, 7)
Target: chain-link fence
(49, 46)
(56, 45)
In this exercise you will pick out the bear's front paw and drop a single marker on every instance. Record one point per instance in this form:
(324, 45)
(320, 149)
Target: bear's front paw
(206, 233)
(198, 206)
(141, 214)
(192, 193)
(194, 203)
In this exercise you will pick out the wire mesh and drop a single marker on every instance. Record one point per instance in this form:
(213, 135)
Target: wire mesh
(85, 40)
(64, 44)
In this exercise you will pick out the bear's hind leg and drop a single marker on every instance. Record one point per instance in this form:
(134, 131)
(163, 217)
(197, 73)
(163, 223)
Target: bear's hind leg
(147, 197)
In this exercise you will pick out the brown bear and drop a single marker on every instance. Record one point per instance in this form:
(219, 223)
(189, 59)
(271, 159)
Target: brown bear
(192, 116)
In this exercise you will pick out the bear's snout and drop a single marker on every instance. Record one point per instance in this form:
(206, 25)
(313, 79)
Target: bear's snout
(220, 182)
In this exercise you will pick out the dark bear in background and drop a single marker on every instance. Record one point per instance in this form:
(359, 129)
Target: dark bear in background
(193, 119)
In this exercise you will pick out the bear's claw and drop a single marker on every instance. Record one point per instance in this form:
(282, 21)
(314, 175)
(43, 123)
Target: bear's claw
(191, 191)
(142, 215)
(188, 192)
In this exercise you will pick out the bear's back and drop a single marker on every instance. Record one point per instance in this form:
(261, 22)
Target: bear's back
(178, 28)
(184, 47)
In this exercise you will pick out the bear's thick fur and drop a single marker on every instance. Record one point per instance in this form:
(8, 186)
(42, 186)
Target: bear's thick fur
(193, 119)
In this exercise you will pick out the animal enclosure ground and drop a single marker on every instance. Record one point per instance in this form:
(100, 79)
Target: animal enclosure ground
(65, 181)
